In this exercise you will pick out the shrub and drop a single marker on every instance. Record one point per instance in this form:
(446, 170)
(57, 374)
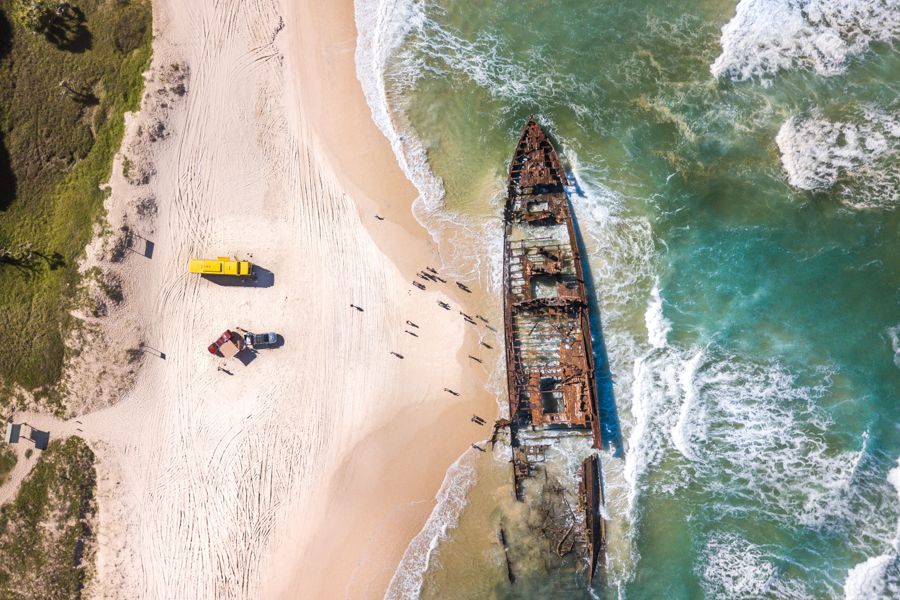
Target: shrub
(34, 15)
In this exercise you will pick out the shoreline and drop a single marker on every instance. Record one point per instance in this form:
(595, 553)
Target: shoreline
(386, 514)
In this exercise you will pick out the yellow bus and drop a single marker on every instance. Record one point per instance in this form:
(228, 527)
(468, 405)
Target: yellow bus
(223, 265)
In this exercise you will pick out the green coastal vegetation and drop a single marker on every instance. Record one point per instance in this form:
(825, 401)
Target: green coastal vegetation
(47, 532)
(68, 73)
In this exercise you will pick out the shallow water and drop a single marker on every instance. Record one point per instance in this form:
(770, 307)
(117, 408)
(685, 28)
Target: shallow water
(737, 192)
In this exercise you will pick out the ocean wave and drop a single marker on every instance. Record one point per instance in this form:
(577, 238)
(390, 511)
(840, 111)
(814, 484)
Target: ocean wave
(754, 437)
(878, 577)
(767, 36)
(735, 568)
(758, 434)
(859, 157)
(450, 501)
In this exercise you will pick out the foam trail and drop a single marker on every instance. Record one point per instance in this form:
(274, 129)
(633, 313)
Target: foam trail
(767, 36)
(680, 434)
(894, 336)
(879, 576)
(639, 414)
(658, 327)
(735, 568)
(450, 501)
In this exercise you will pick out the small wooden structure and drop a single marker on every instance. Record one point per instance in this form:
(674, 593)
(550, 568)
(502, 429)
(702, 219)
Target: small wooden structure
(13, 432)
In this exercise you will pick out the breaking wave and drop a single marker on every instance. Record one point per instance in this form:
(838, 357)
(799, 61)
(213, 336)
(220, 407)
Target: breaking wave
(859, 157)
(753, 440)
(767, 36)
(735, 568)
(878, 577)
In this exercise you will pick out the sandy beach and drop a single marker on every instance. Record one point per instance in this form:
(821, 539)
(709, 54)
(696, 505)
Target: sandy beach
(307, 471)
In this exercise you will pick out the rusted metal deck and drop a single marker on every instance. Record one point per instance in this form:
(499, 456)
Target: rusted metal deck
(549, 359)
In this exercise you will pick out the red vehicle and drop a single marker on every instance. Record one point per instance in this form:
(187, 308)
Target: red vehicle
(228, 344)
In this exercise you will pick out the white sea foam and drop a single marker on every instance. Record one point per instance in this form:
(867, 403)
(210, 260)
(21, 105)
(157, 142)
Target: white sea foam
(658, 327)
(655, 392)
(450, 501)
(766, 36)
(620, 253)
(894, 337)
(735, 568)
(755, 439)
(878, 577)
(763, 436)
(681, 432)
(860, 155)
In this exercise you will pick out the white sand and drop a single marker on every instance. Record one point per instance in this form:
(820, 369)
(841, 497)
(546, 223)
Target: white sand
(306, 472)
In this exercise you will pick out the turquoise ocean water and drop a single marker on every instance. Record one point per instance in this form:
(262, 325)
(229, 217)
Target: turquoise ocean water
(737, 185)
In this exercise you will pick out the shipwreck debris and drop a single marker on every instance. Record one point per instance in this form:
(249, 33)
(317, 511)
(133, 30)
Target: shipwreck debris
(550, 363)
(509, 570)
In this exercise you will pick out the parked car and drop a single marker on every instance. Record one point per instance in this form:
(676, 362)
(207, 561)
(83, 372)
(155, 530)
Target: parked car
(228, 344)
(260, 340)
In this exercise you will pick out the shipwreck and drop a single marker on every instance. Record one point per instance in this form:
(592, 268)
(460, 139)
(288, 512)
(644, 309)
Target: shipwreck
(549, 357)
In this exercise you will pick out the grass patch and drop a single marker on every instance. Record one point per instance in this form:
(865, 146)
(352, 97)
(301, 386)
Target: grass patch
(7, 462)
(46, 533)
(61, 123)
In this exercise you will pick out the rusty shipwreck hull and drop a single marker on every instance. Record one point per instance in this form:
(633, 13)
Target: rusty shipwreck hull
(549, 359)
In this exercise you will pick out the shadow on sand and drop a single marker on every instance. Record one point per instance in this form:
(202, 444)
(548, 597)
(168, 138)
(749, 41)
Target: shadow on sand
(609, 414)
(246, 355)
(262, 278)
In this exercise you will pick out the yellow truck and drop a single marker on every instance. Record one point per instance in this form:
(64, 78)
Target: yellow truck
(223, 265)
